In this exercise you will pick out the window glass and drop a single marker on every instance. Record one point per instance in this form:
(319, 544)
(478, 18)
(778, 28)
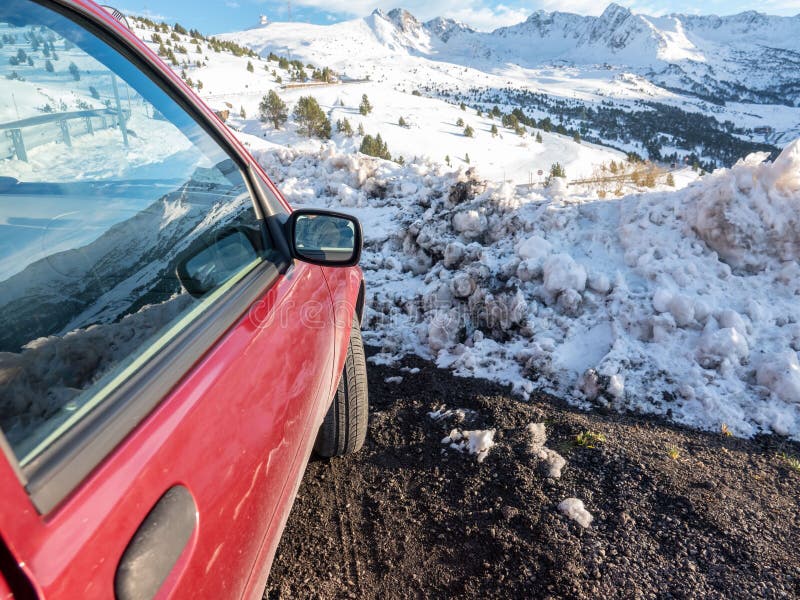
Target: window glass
(108, 191)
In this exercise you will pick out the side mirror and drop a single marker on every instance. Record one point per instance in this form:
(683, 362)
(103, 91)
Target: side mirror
(324, 237)
(211, 261)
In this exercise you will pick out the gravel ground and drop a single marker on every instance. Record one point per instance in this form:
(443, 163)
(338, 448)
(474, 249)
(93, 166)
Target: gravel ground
(677, 513)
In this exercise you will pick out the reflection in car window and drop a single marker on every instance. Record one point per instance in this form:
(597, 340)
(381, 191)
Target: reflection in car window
(104, 184)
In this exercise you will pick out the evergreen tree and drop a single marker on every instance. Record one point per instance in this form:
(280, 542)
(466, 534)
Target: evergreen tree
(360, 129)
(242, 113)
(73, 69)
(365, 107)
(250, 66)
(463, 106)
(670, 180)
(447, 160)
(557, 170)
(494, 130)
(469, 131)
(466, 159)
(576, 137)
(310, 117)
(49, 66)
(402, 122)
(273, 109)
(539, 137)
(343, 126)
(460, 122)
(375, 146)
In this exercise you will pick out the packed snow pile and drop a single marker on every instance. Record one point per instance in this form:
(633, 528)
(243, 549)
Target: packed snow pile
(676, 302)
(751, 214)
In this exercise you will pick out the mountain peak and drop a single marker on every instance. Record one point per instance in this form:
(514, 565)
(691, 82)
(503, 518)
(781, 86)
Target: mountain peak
(403, 19)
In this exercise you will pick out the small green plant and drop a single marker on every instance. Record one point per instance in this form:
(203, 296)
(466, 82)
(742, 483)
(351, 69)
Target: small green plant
(673, 452)
(590, 439)
(791, 461)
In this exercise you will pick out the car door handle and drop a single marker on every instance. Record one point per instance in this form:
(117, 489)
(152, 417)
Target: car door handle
(156, 546)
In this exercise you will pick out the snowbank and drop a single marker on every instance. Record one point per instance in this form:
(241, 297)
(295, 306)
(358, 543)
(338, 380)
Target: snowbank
(674, 302)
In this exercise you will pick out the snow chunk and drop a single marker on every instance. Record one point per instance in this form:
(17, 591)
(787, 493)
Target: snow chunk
(554, 463)
(562, 273)
(477, 442)
(535, 248)
(538, 436)
(396, 379)
(575, 510)
(780, 373)
(723, 344)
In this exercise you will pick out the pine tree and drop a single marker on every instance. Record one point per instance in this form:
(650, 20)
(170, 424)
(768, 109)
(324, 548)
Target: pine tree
(539, 137)
(557, 170)
(670, 180)
(343, 126)
(49, 66)
(402, 122)
(469, 131)
(310, 117)
(360, 129)
(447, 160)
(460, 122)
(273, 109)
(250, 66)
(463, 106)
(73, 69)
(494, 130)
(242, 113)
(576, 137)
(466, 159)
(375, 146)
(365, 107)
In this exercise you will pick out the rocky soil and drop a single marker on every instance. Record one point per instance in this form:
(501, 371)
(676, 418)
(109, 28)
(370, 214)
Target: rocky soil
(677, 513)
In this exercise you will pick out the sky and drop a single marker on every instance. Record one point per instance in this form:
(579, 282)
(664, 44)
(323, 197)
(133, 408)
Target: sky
(220, 16)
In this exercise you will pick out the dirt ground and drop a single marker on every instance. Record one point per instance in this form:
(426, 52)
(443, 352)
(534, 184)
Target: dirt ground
(677, 513)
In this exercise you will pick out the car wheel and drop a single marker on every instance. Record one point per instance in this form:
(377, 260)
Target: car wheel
(345, 426)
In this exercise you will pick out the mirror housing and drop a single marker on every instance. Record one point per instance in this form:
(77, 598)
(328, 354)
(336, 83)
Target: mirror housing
(324, 237)
(213, 259)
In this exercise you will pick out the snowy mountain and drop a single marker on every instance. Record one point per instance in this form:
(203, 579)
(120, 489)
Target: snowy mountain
(740, 69)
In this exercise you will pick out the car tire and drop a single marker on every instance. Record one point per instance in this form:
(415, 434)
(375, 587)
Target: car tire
(345, 426)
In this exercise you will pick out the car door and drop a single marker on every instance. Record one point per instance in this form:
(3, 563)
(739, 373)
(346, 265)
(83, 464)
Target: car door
(164, 366)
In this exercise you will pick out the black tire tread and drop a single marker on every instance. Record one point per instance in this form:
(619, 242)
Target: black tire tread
(344, 428)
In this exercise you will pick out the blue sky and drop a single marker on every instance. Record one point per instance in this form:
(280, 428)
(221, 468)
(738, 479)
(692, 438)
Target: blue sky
(218, 16)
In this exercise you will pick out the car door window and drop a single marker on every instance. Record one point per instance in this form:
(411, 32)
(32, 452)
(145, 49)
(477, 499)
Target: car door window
(121, 221)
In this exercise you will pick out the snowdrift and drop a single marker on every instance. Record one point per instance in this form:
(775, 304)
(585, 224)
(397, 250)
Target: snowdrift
(679, 303)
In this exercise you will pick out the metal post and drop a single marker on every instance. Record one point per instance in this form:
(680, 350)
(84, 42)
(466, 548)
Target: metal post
(120, 115)
(65, 132)
(19, 145)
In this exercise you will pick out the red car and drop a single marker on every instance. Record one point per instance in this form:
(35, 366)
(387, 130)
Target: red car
(174, 339)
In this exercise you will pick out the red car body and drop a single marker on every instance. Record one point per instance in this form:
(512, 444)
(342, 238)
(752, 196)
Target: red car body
(236, 432)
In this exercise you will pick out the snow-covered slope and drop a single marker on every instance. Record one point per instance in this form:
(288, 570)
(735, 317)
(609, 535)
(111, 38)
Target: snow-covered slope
(741, 69)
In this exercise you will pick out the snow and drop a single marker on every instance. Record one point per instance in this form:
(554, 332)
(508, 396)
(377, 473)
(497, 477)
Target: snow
(575, 510)
(664, 326)
(477, 442)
